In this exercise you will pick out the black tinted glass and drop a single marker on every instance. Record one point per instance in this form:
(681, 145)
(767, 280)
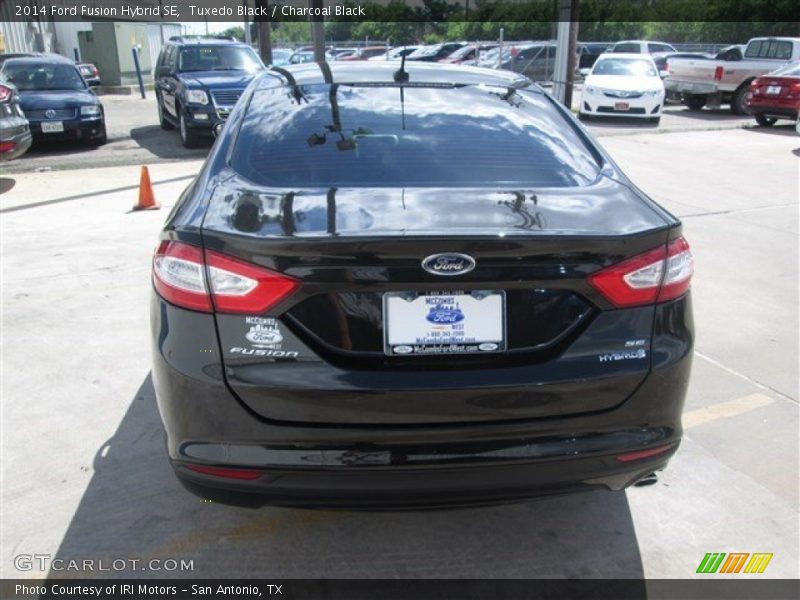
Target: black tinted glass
(28, 76)
(359, 135)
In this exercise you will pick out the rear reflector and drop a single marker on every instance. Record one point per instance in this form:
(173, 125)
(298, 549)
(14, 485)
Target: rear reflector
(657, 275)
(226, 472)
(185, 276)
(642, 454)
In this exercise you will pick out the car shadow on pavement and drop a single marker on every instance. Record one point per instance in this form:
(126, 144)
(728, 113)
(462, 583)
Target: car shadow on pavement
(781, 128)
(721, 115)
(167, 144)
(134, 509)
(7, 184)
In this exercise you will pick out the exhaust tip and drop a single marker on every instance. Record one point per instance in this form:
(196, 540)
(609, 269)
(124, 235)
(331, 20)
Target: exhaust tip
(647, 480)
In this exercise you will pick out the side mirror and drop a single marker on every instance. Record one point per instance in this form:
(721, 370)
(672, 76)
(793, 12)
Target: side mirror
(584, 72)
(218, 128)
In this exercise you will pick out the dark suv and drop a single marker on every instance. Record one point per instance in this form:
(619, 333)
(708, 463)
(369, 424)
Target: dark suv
(199, 80)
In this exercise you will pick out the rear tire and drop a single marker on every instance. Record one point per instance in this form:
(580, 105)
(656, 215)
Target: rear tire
(738, 106)
(694, 102)
(189, 137)
(765, 121)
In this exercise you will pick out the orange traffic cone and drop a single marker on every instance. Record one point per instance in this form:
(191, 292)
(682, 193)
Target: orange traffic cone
(147, 201)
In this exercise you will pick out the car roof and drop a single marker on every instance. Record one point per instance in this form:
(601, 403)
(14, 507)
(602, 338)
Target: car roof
(626, 55)
(383, 72)
(209, 41)
(40, 58)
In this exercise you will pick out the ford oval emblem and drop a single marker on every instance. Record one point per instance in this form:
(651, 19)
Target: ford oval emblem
(448, 264)
(445, 314)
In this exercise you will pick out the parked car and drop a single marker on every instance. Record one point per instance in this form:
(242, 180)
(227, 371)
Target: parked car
(281, 56)
(731, 53)
(90, 73)
(56, 100)
(662, 60)
(467, 55)
(395, 53)
(775, 96)
(198, 81)
(640, 47)
(589, 52)
(302, 56)
(363, 53)
(535, 61)
(623, 85)
(334, 53)
(15, 134)
(715, 82)
(434, 52)
(397, 321)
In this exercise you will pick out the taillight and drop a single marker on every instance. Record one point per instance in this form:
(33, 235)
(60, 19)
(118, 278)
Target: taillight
(718, 74)
(654, 276)
(7, 146)
(5, 93)
(183, 275)
(95, 72)
(226, 472)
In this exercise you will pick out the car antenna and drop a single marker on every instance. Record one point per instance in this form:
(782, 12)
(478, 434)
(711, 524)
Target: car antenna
(401, 75)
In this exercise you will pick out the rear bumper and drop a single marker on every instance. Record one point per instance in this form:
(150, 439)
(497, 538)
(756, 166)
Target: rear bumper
(408, 487)
(782, 111)
(385, 465)
(19, 135)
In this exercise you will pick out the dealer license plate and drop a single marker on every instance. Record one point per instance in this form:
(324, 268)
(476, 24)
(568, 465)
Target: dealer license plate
(52, 127)
(621, 106)
(444, 323)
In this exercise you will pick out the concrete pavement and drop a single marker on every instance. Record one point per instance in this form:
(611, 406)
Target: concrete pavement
(84, 473)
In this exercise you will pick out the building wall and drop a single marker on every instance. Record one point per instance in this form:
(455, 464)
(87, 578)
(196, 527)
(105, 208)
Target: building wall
(99, 47)
(23, 36)
(67, 37)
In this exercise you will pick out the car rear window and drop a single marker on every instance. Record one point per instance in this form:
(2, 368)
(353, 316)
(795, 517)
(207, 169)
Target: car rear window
(408, 136)
(779, 49)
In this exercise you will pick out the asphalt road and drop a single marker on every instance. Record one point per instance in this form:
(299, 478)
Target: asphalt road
(85, 474)
(135, 138)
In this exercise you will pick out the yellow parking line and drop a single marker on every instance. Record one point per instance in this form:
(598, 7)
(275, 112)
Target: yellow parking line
(730, 408)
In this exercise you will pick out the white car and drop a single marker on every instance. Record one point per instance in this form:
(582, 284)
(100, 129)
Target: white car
(623, 85)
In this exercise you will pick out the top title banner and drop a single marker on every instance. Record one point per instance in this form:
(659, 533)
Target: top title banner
(420, 11)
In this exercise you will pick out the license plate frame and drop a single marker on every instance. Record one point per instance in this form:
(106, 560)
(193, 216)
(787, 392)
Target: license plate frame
(622, 106)
(52, 126)
(773, 90)
(483, 310)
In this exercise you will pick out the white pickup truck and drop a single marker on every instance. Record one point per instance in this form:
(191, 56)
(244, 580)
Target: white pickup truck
(714, 82)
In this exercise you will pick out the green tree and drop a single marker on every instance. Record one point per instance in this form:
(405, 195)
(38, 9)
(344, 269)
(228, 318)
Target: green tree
(236, 32)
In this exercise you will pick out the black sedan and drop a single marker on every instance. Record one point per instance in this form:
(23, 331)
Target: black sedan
(350, 310)
(15, 135)
(57, 101)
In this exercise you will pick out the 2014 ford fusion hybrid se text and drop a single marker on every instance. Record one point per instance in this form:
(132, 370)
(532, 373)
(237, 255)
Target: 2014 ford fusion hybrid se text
(415, 286)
